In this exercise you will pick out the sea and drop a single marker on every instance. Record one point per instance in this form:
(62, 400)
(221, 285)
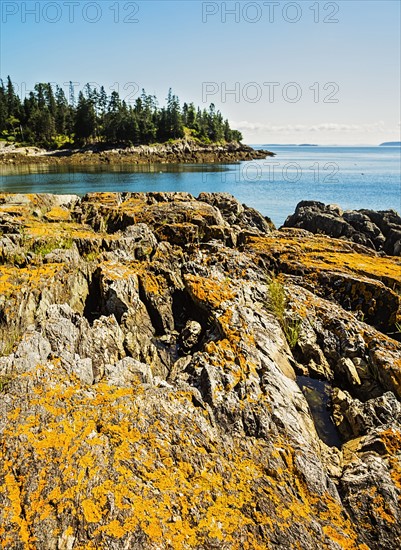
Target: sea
(351, 177)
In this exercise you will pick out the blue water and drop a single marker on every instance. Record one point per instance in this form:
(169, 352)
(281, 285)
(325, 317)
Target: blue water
(353, 177)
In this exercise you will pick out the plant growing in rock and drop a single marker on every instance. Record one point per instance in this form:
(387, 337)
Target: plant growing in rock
(8, 338)
(292, 330)
(277, 299)
(41, 248)
(5, 380)
(277, 304)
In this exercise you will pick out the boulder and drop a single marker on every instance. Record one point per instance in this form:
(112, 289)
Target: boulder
(380, 230)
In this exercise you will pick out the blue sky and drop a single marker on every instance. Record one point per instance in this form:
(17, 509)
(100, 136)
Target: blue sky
(305, 71)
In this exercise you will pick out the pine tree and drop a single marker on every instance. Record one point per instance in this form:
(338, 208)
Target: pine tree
(145, 107)
(42, 125)
(62, 111)
(191, 118)
(50, 99)
(13, 101)
(3, 107)
(175, 127)
(85, 119)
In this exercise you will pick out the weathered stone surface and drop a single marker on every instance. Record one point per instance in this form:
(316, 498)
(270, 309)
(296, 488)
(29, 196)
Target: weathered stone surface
(356, 278)
(183, 151)
(148, 378)
(190, 335)
(378, 230)
(354, 418)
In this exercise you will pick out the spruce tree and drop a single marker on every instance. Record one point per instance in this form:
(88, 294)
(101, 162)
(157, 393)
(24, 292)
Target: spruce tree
(85, 119)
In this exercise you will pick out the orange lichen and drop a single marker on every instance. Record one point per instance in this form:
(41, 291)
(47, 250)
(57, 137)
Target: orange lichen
(12, 278)
(210, 291)
(218, 296)
(391, 440)
(58, 213)
(343, 541)
(92, 512)
(317, 253)
(121, 473)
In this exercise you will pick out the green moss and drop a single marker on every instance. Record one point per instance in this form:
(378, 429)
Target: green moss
(5, 380)
(42, 248)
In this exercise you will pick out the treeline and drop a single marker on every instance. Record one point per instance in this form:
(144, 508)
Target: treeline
(47, 118)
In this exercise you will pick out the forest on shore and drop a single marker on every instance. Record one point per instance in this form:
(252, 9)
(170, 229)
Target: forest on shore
(46, 118)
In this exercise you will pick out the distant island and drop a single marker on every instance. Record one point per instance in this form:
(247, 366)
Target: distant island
(290, 145)
(391, 144)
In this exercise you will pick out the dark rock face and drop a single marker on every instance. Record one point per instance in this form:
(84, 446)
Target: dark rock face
(380, 231)
(149, 348)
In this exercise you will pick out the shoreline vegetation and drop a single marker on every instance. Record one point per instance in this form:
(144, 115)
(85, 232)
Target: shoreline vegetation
(94, 128)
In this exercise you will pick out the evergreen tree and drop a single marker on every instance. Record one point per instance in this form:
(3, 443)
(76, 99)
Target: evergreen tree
(227, 131)
(40, 95)
(62, 112)
(85, 119)
(175, 127)
(42, 126)
(191, 118)
(13, 101)
(145, 107)
(3, 107)
(113, 119)
(101, 109)
(50, 99)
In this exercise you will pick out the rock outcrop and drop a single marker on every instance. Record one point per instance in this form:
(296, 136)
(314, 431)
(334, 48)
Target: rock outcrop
(380, 231)
(172, 368)
(182, 151)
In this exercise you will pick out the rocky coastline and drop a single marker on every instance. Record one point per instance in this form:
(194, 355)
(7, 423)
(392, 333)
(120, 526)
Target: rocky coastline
(171, 369)
(182, 151)
(378, 230)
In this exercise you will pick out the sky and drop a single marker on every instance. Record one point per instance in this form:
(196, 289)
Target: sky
(282, 72)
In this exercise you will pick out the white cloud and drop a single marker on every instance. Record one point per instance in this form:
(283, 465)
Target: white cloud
(331, 127)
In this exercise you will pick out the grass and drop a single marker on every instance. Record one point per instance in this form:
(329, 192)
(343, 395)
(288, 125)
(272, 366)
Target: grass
(292, 330)
(277, 299)
(277, 304)
(8, 338)
(397, 330)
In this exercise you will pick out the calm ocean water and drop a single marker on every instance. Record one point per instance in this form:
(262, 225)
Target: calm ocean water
(353, 177)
